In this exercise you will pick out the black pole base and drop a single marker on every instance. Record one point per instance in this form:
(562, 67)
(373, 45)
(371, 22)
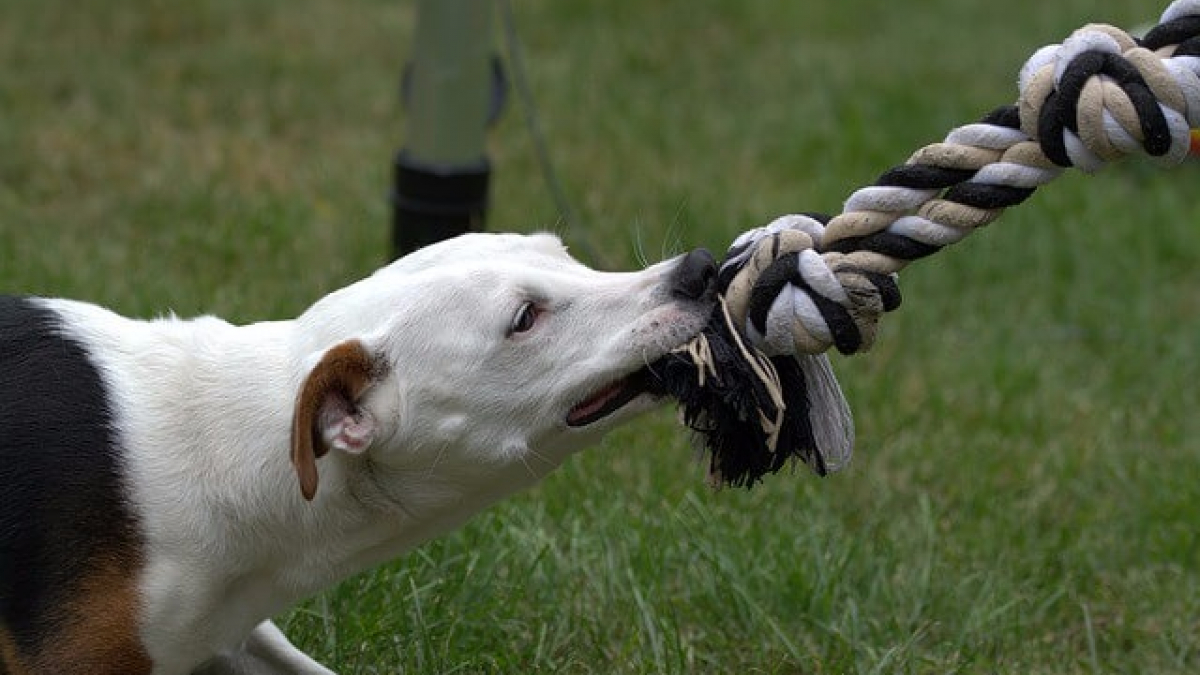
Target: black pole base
(431, 203)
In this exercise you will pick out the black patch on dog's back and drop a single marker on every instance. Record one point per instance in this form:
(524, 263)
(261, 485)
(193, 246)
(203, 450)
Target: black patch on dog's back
(63, 515)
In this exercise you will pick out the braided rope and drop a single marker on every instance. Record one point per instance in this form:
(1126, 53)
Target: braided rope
(805, 283)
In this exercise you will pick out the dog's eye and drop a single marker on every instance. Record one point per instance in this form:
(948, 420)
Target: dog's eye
(525, 319)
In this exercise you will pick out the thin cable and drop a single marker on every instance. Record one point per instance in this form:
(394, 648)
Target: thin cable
(571, 223)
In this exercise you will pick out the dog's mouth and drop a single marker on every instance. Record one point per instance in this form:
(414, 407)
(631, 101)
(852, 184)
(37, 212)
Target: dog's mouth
(612, 397)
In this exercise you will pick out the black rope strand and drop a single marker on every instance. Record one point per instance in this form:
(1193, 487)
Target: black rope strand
(1177, 32)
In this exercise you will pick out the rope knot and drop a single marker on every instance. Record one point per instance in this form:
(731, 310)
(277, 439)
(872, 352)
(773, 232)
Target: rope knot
(790, 298)
(1103, 94)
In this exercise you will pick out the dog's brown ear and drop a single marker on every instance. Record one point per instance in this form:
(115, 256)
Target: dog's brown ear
(327, 414)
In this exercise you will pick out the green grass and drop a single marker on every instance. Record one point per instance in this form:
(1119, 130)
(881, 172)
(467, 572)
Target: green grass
(1026, 492)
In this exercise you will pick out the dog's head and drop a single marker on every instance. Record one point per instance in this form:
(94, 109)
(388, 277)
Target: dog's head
(487, 358)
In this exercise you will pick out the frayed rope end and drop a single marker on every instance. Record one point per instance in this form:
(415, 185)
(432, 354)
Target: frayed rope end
(754, 415)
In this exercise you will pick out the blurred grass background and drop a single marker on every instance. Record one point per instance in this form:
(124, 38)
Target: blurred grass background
(1026, 492)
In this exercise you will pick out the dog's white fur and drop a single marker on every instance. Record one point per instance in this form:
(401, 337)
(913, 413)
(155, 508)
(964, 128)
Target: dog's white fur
(463, 412)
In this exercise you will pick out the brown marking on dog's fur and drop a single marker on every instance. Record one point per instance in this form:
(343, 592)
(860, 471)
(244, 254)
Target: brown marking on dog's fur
(98, 629)
(343, 374)
(10, 658)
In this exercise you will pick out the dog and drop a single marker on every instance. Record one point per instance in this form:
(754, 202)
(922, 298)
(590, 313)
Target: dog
(166, 486)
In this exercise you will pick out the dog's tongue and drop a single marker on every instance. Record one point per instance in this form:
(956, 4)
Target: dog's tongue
(598, 404)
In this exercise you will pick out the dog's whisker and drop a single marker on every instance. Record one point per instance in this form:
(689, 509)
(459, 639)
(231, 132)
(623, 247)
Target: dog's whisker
(646, 360)
(540, 457)
(672, 241)
(525, 464)
(437, 459)
(639, 247)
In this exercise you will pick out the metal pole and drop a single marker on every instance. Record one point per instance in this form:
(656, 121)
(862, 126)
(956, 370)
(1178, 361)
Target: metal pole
(452, 88)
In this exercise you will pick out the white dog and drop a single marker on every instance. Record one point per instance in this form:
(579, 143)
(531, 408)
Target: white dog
(166, 486)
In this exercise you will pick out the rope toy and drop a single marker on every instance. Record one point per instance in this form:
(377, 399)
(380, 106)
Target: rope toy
(755, 385)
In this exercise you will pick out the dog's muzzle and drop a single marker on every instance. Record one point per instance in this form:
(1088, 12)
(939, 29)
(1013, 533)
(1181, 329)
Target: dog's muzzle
(694, 279)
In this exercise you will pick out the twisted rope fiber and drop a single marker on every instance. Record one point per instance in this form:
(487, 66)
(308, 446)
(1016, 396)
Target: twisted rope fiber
(805, 283)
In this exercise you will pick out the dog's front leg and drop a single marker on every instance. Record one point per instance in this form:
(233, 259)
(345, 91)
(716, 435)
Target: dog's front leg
(265, 652)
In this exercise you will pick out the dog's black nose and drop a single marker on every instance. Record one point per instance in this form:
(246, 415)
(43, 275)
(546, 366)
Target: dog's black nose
(694, 275)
